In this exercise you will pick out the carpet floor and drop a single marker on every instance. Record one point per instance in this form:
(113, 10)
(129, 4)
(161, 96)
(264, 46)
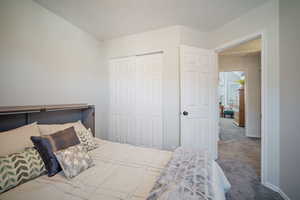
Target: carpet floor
(239, 157)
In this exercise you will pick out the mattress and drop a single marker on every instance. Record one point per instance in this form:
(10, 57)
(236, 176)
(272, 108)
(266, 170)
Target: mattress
(121, 171)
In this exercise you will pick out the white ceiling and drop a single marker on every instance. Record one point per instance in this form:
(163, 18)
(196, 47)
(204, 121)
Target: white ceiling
(107, 19)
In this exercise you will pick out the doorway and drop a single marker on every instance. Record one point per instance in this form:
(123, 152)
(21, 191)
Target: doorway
(239, 99)
(269, 158)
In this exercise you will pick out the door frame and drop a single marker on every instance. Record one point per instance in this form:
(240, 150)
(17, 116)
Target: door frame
(264, 117)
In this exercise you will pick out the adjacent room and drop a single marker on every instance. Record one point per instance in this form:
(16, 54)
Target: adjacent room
(149, 100)
(232, 104)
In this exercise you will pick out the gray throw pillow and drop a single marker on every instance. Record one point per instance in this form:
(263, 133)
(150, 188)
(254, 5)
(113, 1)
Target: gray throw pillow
(74, 160)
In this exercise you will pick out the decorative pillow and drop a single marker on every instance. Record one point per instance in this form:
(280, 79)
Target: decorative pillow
(74, 160)
(16, 140)
(46, 145)
(48, 129)
(86, 138)
(18, 168)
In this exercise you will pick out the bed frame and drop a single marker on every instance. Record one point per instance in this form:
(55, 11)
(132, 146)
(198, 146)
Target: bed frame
(14, 117)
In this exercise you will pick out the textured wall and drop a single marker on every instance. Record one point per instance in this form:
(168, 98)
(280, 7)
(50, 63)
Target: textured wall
(46, 60)
(289, 43)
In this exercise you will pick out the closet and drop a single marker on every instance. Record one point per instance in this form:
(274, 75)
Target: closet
(135, 109)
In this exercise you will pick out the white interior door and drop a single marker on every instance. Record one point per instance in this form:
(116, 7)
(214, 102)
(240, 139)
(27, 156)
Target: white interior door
(199, 122)
(135, 100)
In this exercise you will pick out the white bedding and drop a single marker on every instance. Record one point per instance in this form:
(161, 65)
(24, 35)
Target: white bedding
(121, 171)
(221, 185)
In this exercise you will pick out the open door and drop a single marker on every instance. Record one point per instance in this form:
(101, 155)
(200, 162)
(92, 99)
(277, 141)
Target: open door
(199, 121)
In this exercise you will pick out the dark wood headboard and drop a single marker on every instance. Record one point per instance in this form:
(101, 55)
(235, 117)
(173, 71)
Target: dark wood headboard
(13, 117)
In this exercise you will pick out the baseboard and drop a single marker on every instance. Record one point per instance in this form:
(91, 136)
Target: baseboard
(253, 136)
(277, 189)
(249, 134)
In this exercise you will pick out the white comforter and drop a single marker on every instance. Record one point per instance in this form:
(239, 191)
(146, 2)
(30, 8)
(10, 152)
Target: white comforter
(121, 171)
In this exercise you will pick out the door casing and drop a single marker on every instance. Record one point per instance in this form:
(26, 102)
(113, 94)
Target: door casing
(265, 144)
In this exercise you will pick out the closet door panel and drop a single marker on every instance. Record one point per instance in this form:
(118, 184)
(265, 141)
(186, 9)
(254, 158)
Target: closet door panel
(149, 99)
(122, 99)
(136, 100)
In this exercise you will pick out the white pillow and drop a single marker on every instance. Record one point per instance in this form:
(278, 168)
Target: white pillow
(16, 140)
(48, 129)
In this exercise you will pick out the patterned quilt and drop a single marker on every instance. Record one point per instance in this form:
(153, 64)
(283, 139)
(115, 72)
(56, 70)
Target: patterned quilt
(187, 176)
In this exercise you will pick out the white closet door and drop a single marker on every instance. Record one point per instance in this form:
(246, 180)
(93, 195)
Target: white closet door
(135, 104)
(149, 100)
(122, 99)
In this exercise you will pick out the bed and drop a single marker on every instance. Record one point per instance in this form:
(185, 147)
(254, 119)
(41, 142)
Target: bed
(121, 171)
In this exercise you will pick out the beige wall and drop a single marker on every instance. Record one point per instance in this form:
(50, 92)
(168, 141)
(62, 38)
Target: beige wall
(289, 43)
(166, 40)
(46, 60)
(251, 66)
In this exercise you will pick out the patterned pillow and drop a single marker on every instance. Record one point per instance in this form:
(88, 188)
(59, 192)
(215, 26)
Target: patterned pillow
(20, 167)
(86, 139)
(47, 144)
(74, 160)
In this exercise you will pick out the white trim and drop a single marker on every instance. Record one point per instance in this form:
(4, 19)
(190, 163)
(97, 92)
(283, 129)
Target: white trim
(142, 53)
(264, 79)
(264, 101)
(277, 189)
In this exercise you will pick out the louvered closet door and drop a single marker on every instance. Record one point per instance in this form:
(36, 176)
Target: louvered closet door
(148, 100)
(135, 100)
(122, 99)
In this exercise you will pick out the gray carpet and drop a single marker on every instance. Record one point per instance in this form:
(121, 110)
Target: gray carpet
(239, 157)
(228, 131)
(245, 183)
